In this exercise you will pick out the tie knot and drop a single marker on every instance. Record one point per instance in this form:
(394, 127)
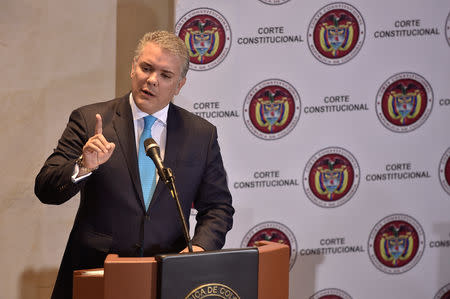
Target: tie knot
(149, 120)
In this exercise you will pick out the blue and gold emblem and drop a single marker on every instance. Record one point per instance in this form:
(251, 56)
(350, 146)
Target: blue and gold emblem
(396, 244)
(336, 33)
(207, 36)
(404, 102)
(272, 109)
(331, 177)
(201, 42)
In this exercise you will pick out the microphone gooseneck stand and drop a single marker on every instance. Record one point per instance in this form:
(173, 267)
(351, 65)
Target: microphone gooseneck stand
(170, 182)
(166, 175)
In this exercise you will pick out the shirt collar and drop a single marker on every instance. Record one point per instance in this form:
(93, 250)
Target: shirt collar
(160, 115)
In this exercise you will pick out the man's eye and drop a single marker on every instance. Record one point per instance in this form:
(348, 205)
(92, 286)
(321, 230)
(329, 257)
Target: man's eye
(166, 76)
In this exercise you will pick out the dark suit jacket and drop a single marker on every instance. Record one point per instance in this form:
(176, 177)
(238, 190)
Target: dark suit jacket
(111, 217)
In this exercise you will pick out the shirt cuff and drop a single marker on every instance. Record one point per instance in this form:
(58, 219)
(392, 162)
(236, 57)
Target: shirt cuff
(76, 170)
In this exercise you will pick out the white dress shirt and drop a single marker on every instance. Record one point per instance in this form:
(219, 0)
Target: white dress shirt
(159, 128)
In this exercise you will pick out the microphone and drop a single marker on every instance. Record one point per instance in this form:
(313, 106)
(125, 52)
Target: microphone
(152, 150)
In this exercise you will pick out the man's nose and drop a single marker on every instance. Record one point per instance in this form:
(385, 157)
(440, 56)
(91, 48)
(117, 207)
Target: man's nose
(153, 79)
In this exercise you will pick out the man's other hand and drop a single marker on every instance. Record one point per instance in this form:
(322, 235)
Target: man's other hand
(195, 248)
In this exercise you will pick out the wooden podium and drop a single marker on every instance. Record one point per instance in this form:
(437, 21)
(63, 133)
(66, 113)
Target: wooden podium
(136, 278)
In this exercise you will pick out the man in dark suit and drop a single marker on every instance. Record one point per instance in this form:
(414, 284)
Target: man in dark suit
(98, 156)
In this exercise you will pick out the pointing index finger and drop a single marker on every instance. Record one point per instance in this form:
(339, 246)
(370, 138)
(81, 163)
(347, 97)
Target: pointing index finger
(98, 124)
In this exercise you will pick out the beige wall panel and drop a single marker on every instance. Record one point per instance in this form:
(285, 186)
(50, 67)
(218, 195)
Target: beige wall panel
(54, 56)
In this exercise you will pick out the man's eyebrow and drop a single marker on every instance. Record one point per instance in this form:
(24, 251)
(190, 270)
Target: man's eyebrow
(168, 71)
(163, 70)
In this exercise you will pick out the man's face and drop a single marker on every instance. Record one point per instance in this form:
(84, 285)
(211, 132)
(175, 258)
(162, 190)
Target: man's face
(155, 78)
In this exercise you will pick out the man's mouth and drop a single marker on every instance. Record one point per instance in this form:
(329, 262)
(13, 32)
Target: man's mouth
(147, 92)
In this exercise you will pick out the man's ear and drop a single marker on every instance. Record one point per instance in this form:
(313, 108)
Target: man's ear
(132, 69)
(180, 85)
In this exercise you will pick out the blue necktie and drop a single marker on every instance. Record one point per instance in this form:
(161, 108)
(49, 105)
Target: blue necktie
(147, 170)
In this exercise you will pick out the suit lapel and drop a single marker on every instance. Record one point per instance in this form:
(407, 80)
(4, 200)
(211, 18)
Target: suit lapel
(123, 124)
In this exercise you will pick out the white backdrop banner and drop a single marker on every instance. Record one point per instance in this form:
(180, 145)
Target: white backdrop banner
(333, 120)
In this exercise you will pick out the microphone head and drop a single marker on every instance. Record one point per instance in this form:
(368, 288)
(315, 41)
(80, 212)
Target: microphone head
(152, 151)
(150, 143)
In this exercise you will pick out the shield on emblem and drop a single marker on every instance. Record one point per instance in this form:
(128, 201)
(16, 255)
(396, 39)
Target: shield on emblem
(202, 42)
(396, 247)
(272, 112)
(332, 180)
(336, 36)
(404, 104)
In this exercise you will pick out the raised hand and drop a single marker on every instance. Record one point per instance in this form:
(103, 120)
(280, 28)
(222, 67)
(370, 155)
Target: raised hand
(97, 149)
